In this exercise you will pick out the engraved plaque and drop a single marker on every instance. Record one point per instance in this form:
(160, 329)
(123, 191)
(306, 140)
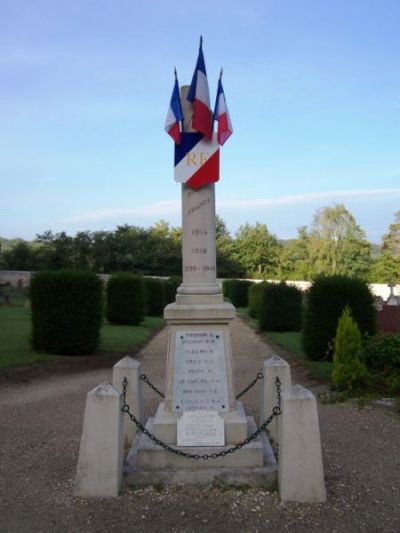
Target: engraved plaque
(200, 372)
(200, 428)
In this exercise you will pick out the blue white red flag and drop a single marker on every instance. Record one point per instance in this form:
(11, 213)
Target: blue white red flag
(173, 123)
(197, 160)
(199, 96)
(221, 114)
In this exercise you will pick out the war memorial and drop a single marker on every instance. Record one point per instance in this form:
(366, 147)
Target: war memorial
(200, 432)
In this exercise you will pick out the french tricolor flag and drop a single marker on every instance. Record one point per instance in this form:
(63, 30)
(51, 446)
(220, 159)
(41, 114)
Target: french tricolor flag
(173, 123)
(221, 114)
(199, 96)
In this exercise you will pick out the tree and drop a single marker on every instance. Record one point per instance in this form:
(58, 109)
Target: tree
(391, 241)
(348, 370)
(19, 257)
(257, 251)
(294, 260)
(227, 266)
(338, 245)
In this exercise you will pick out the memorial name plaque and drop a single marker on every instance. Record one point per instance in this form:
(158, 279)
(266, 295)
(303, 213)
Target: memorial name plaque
(200, 374)
(200, 428)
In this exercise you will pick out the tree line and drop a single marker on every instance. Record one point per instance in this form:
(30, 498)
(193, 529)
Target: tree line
(333, 244)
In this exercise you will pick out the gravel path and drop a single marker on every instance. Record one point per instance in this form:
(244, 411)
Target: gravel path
(40, 426)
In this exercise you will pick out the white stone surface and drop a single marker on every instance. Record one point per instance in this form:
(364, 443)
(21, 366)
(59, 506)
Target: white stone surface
(200, 428)
(200, 381)
(131, 369)
(165, 424)
(99, 470)
(301, 475)
(273, 367)
(177, 328)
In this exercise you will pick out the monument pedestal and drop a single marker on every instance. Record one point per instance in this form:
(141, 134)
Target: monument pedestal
(199, 368)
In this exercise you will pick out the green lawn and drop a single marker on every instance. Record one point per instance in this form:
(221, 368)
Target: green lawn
(15, 330)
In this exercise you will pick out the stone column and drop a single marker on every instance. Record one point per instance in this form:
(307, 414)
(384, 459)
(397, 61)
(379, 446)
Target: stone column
(131, 369)
(199, 263)
(301, 473)
(273, 367)
(99, 470)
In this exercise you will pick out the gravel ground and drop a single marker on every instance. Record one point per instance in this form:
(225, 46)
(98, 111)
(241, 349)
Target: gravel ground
(40, 426)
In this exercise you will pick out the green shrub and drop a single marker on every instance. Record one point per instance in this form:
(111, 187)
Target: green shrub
(170, 287)
(227, 288)
(125, 299)
(239, 292)
(327, 298)
(280, 308)
(236, 290)
(255, 295)
(154, 296)
(349, 372)
(381, 352)
(67, 309)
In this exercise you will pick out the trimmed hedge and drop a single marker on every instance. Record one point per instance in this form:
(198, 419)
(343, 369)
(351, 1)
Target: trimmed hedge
(237, 291)
(255, 295)
(227, 287)
(154, 296)
(327, 298)
(67, 312)
(280, 307)
(170, 287)
(125, 299)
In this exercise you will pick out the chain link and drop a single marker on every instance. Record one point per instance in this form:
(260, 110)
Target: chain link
(144, 378)
(276, 411)
(259, 376)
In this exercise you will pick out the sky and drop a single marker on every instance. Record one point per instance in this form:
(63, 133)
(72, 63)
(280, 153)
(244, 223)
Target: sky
(312, 86)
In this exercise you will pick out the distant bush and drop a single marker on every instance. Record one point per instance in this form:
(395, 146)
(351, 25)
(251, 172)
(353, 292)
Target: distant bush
(237, 291)
(381, 352)
(349, 372)
(280, 308)
(125, 299)
(66, 312)
(327, 297)
(154, 296)
(170, 287)
(227, 288)
(255, 295)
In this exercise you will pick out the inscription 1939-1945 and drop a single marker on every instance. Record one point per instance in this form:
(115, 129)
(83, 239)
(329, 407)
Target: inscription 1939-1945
(200, 372)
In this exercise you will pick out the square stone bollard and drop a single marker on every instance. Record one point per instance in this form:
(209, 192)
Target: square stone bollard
(273, 367)
(131, 369)
(99, 470)
(301, 473)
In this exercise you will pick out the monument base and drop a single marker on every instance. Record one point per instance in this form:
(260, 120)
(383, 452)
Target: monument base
(253, 465)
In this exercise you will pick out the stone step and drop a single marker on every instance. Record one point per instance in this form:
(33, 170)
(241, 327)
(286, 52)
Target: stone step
(253, 465)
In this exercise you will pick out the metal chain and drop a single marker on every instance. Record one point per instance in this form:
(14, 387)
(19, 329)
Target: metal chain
(144, 378)
(260, 375)
(276, 411)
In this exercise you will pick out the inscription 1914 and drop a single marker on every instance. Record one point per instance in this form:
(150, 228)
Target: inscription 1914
(200, 373)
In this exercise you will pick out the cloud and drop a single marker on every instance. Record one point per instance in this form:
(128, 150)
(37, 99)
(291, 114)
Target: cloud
(306, 198)
(172, 207)
(157, 209)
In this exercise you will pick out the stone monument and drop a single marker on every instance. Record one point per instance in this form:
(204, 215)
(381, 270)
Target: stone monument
(200, 413)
